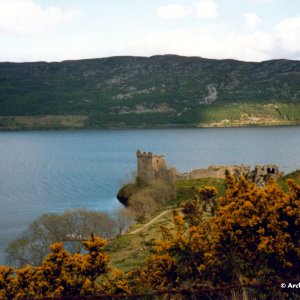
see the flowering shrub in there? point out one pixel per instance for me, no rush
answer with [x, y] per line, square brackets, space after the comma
[252, 239]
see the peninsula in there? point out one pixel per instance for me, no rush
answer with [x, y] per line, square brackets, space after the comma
[162, 91]
[152, 168]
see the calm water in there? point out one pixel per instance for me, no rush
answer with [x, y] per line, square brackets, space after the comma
[57, 170]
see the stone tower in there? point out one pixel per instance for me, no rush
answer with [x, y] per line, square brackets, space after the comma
[150, 166]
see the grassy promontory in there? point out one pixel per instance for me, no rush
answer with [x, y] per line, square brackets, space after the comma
[129, 250]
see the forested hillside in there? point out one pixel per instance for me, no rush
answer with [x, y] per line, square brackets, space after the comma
[159, 91]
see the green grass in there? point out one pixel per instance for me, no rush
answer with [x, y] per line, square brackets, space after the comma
[245, 114]
[129, 251]
[186, 189]
[294, 175]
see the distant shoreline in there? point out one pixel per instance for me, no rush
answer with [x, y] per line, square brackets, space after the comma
[73, 122]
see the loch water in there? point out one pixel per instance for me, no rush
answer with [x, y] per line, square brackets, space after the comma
[52, 171]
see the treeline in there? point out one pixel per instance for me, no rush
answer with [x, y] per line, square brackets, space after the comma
[73, 226]
[244, 251]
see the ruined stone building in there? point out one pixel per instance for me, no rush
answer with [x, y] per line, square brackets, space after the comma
[262, 174]
[151, 166]
[214, 172]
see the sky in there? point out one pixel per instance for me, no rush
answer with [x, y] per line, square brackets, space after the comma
[56, 30]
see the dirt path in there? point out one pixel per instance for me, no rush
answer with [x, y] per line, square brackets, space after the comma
[152, 221]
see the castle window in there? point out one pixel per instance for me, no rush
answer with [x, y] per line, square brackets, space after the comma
[271, 171]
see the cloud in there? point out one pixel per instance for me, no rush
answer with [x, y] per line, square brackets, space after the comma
[287, 36]
[251, 20]
[208, 41]
[24, 17]
[173, 11]
[203, 9]
[177, 41]
[203, 42]
[282, 41]
[262, 1]
[206, 9]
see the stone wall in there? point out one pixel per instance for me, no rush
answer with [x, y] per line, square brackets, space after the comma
[150, 167]
[214, 172]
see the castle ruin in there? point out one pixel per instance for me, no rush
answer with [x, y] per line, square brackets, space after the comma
[262, 174]
[151, 167]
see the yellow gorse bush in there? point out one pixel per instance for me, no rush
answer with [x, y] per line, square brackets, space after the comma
[61, 274]
[252, 236]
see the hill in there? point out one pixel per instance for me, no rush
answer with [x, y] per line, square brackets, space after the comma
[157, 91]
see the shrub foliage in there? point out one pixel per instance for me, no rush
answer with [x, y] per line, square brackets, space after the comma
[243, 251]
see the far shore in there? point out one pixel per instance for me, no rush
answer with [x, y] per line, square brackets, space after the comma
[78, 122]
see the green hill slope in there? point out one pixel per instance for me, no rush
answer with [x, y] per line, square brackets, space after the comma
[158, 91]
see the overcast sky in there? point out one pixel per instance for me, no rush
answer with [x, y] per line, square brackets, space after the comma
[55, 30]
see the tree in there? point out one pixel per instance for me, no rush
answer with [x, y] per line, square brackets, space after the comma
[145, 200]
[143, 204]
[163, 189]
[33, 245]
[124, 217]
